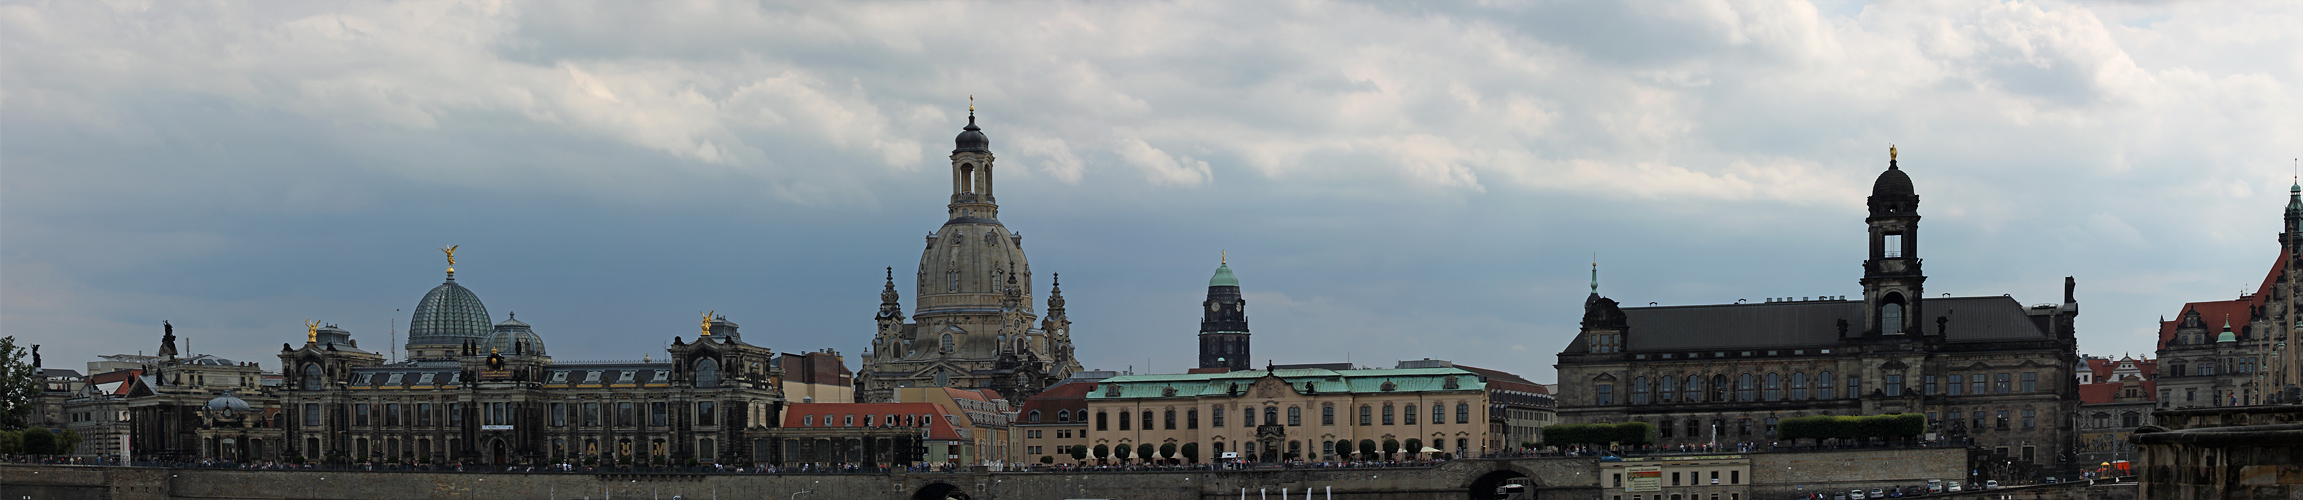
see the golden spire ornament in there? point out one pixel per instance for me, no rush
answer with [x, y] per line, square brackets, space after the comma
[1891, 152]
[451, 251]
[971, 104]
[311, 331]
[707, 323]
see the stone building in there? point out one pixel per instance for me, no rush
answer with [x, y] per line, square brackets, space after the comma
[2115, 398]
[496, 396]
[973, 325]
[866, 434]
[149, 407]
[2224, 353]
[2221, 453]
[1223, 336]
[1052, 422]
[1984, 369]
[1299, 414]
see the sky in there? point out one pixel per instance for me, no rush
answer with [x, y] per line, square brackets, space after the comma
[1390, 180]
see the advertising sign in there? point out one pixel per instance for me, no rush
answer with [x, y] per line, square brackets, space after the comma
[1643, 479]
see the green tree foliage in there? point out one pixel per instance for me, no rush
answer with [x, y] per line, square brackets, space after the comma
[19, 385]
[1103, 451]
[1599, 434]
[69, 442]
[11, 443]
[1122, 451]
[1367, 448]
[1899, 425]
[1144, 451]
[1079, 452]
[1191, 452]
[1413, 445]
[38, 441]
[1390, 446]
[1167, 450]
[1047, 459]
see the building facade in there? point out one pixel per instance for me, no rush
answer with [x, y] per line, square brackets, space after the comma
[974, 325]
[2116, 396]
[1986, 370]
[2226, 352]
[1291, 414]
[1223, 336]
[498, 397]
[1049, 424]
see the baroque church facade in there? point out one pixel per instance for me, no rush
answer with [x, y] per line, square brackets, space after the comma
[1988, 372]
[973, 325]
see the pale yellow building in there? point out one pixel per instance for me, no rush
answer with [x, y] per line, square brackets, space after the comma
[1290, 414]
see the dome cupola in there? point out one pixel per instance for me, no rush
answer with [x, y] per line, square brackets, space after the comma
[227, 403]
[448, 316]
[971, 139]
[513, 337]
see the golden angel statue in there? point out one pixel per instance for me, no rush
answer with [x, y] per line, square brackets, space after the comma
[451, 251]
[706, 325]
[311, 331]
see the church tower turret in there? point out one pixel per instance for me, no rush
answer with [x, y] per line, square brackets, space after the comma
[1892, 280]
[1223, 336]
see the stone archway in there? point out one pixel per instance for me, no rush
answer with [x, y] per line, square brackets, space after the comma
[940, 491]
[497, 451]
[1487, 486]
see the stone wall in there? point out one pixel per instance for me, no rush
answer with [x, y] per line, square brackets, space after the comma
[1786, 475]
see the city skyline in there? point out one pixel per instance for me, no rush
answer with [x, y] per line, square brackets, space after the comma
[1438, 192]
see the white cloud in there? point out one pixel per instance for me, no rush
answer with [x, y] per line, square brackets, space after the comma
[1161, 168]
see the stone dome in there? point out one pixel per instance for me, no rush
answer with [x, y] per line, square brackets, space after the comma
[971, 138]
[227, 402]
[513, 337]
[448, 315]
[1893, 182]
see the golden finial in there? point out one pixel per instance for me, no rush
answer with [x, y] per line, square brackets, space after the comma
[311, 331]
[1891, 152]
[707, 324]
[451, 251]
[971, 104]
[1223, 257]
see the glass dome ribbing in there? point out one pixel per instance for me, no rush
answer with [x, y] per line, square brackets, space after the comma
[449, 315]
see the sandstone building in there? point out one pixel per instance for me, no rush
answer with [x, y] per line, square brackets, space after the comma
[973, 324]
[1984, 369]
[1289, 414]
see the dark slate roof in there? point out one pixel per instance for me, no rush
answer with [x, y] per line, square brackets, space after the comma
[608, 373]
[1811, 324]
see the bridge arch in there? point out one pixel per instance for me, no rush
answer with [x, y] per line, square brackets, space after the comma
[940, 491]
[1484, 487]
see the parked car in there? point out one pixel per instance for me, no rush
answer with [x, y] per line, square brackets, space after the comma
[1991, 485]
[1952, 486]
[1878, 493]
[1855, 495]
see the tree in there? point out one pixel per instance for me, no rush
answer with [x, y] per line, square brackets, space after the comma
[38, 441]
[11, 443]
[1047, 459]
[1144, 451]
[1104, 451]
[1191, 452]
[19, 385]
[68, 443]
[1079, 452]
[1367, 449]
[1122, 451]
[1390, 446]
[1413, 446]
[1167, 450]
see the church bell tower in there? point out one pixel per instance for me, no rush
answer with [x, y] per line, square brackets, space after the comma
[1892, 280]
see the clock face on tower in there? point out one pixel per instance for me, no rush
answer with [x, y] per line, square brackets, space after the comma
[1211, 306]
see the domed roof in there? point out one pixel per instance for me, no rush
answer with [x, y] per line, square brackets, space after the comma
[971, 138]
[1223, 276]
[449, 315]
[1893, 182]
[227, 402]
[514, 338]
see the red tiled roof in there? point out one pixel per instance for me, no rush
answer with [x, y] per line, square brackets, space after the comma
[798, 415]
[1069, 396]
[2108, 392]
[2240, 311]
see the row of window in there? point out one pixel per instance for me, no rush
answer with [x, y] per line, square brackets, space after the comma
[588, 414]
[1978, 420]
[891, 420]
[2239, 365]
[1271, 416]
[1772, 387]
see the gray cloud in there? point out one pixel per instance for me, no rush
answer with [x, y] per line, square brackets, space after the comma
[1408, 180]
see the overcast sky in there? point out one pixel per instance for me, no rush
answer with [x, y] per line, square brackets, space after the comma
[1391, 180]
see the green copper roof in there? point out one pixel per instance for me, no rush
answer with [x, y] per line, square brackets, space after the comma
[1308, 380]
[2226, 336]
[1223, 276]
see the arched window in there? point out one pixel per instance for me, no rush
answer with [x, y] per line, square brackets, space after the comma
[1410, 415]
[1668, 389]
[1170, 416]
[1694, 388]
[1063, 416]
[1327, 415]
[1891, 315]
[312, 377]
[1463, 413]
[947, 342]
[1271, 415]
[1743, 388]
[1639, 390]
[1719, 388]
[1823, 386]
[707, 374]
[1123, 420]
[1294, 416]
[1798, 386]
[1773, 388]
[1035, 417]
[1388, 419]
